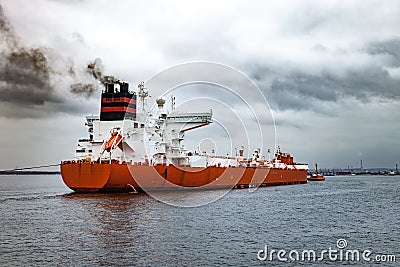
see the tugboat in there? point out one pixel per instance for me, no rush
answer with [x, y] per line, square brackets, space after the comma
[316, 176]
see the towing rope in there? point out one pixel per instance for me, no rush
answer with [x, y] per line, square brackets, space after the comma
[33, 167]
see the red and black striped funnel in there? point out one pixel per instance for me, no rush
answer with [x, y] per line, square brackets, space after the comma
[117, 102]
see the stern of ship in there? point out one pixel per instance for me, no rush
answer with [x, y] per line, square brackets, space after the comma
[85, 177]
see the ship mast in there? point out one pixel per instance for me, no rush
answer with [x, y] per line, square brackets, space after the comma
[172, 103]
[143, 94]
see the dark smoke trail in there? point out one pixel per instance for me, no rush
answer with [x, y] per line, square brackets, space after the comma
[5, 29]
[31, 79]
[95, 69]
[83, 89]
[24, 72]
[27, 75]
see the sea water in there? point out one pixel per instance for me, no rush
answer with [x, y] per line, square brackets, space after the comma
[44, 223]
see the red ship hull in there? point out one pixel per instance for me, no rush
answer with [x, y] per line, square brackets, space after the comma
[86, 177]
[316, 177]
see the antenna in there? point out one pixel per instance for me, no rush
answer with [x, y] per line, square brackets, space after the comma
[361, 169]
[172, 103]
[143, 94]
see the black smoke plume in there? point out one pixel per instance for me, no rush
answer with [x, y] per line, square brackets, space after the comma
[28, 77]
[24, 72]
[94, 69]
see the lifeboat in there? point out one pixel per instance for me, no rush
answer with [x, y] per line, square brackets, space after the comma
[113, 141]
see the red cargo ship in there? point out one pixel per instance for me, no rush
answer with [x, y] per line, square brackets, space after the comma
[127, 150]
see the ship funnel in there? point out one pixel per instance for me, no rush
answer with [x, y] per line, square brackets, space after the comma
[117, 105]
[124, 87]
[110, 88]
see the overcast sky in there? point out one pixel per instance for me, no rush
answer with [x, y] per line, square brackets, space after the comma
[329, 69]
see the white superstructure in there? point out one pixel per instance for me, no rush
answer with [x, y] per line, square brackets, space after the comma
[155, 136]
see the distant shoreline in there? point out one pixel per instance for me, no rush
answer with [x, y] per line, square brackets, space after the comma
[29, 172]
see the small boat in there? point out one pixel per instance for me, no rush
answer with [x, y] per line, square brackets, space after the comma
[316, 176]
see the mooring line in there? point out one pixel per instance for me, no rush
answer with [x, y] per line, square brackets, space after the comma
[32, 167]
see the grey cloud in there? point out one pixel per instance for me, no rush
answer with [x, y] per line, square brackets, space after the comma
[290, 123]
[297, 89]
[46, 110]
[68, 1]
[390, 48]
[78, 37]
[309, 19]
